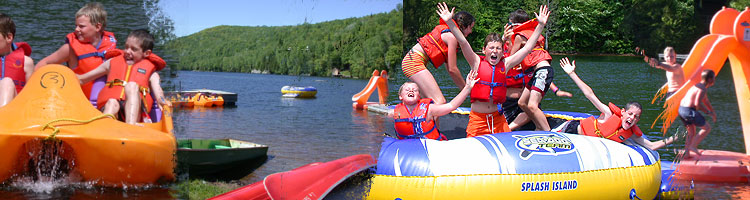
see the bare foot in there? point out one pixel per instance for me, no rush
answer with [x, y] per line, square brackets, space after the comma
[695, 150]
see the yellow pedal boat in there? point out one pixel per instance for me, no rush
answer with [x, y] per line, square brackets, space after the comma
[97, 150]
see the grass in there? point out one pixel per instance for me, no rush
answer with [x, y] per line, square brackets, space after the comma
[200, 189]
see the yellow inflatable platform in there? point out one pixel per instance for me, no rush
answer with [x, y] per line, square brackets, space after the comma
[51, 121]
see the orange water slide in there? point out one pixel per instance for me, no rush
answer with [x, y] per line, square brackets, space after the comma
[378, 81]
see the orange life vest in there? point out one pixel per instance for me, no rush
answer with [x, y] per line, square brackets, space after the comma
[89, 55]
[611, 128]
[538, 54]
[121, 73]
[491, 82]
[13, 64]
[414, 124]
[433, 44]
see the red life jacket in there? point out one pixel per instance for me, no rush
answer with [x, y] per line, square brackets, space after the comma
[611, 128]
[13, 64]
[491, 82]
[538, 54]
[89, 55]
[120, 73]
[411, 125]
[433, 44]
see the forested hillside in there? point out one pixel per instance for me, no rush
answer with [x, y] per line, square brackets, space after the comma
[354, 45]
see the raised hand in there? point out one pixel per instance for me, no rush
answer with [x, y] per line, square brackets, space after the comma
[567, 66]
[543, 14]
[471, 79]
[507, 32]
[444, 13]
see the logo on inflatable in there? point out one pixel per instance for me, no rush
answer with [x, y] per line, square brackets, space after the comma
[543, 144]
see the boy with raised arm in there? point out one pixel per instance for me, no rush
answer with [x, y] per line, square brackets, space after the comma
[617, 124]
[415, 117]
[490, 91]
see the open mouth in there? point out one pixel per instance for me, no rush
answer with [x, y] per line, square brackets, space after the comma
[629, 122]
[410, 94]
[493, 58]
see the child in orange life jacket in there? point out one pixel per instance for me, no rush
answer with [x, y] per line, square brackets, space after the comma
[696, 99]
[614, 123]
[543, 73]
[129, 76]
[85, 47]
[520, 77]
[415, 116]
[439, 46]
[16, 64]
[485, 117]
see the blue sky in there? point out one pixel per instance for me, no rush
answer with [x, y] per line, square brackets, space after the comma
[191, 16]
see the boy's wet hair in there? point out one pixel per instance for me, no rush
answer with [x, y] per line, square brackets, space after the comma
[147, 40]
[518, 16]
[708, 74]
[463, 19]
[7, 26]
[633, 104]
[492, 37]
[669, 50]
[95, 12]
[402, 86]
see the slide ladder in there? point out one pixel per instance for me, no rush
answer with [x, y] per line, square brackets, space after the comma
[378, 81]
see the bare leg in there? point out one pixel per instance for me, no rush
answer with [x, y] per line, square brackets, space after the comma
[519, 121]
[529, 103]
[132, 103]
[7, 91]
[111, 107]
[705, 129]
[689, 139]
[428, 87]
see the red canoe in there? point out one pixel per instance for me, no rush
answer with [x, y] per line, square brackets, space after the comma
[715, 166]
[311, 181]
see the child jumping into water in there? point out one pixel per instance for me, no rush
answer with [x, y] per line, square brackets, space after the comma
[614, 123]
[17, 66]
[485, 117]
[439, 46]
[84, 48]
[415, 116]
[696, 99]
[131, 76]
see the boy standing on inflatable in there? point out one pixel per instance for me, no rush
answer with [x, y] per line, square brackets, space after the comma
[130, 78]
[16, 64]
[415, 117]
[85, 47]
[439, 46]
[520, 77]
[538, 60]
[696, 99]
[614, 123]
[485, 117]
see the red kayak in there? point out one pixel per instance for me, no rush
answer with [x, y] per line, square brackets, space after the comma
[311, 181]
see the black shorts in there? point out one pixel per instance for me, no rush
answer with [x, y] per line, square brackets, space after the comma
[542, 79]
[691, 116]
[511, 110]
[572, 127]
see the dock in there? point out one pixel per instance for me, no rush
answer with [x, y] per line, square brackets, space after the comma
[230, 98]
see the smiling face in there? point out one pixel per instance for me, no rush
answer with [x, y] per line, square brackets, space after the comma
[85, 31]
[133, 50]
[630, 117]
[409, 93]
[492, 52]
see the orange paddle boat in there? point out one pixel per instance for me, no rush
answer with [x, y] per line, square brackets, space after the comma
[51, 121]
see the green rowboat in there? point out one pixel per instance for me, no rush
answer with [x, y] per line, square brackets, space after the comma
[213, 157]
